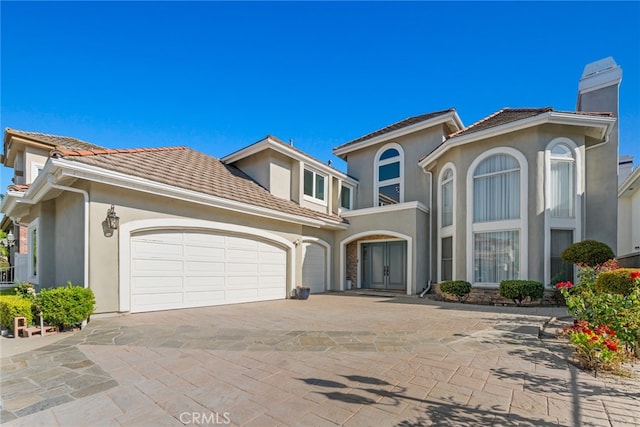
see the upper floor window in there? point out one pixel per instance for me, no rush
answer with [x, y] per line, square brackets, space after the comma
[496, 189]
[563, 182]
[447, 198]
[389, 172]
[315, 186]
[346, 197]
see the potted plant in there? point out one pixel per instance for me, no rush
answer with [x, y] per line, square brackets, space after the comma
[302, 292]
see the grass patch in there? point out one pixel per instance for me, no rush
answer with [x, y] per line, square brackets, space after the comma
[8, 291]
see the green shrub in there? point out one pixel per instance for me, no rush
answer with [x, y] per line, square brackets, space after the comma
[589, 252]
[14, 306]
[458, 288]
[66, 306]
[519, 290]
[616, 281]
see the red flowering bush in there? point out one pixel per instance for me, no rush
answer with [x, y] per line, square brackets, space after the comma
[595, 345]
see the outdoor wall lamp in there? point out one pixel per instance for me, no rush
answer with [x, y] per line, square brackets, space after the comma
[11, 239]
[112, 219]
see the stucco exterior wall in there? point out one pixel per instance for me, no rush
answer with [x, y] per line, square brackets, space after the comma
[280, 176]
[34, 157]
[132, 206]
[531, 143]
[602, 171]
[361, 166]
[257, 167]
[629, 223]
[69, 239]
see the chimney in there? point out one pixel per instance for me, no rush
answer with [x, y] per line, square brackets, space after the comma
[625, 167]
[598, 87]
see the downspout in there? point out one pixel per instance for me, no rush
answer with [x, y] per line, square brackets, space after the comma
[428, 287]
[53, 184]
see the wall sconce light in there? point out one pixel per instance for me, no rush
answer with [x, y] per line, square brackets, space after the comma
[297, 242]
[11, 239]
[113, 220]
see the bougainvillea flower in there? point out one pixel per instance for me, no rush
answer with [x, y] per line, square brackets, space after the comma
[564, 285]
[635, 275]
[611, 345]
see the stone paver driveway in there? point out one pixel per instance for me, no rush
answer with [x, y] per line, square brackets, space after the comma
[330, 360]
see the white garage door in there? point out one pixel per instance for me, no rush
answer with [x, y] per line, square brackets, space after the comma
[314, 267]
[181, 269]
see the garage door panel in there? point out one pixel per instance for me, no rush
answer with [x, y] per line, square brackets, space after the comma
[203, 252]
[193, 268]
[314, 267]
[157, 250]
[199, 266]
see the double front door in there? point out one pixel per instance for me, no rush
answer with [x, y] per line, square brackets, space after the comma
[384, 265]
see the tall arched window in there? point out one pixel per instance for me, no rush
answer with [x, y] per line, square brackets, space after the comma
[389, 174]
[446, 225]
[562, 210]
[563, 182]
[498, 205]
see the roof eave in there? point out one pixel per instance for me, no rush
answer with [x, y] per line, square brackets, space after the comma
[450, 116]
[270, 142]
[602, 124]
[631, 183]
[82, 171]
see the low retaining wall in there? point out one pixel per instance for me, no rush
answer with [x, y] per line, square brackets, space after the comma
[490, 296]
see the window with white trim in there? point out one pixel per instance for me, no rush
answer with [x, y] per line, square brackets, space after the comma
[315, 186]
[446, 226]
[346, 197]
[563, 182]
[33, 245]
[497, 209]
[389, 170]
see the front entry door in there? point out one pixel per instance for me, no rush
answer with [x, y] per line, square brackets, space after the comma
[384, 265]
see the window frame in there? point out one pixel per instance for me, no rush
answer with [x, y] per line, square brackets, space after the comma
[351, 189]
[34, 256]
[450, 230]
[562, 223]
[520, 224]
[313, 198]
[377, 184]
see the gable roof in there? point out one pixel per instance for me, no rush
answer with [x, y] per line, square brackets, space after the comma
[409, 124]
[596, 125]
[188, 169]
[509, 115]
[52, 140]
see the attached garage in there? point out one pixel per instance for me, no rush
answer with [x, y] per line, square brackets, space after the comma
[172, 269]
[314, 267]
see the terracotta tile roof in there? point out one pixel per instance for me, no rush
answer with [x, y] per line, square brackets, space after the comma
[508, 115]
[55, 140]
[395, 126]
[188, 169]
[18, 187]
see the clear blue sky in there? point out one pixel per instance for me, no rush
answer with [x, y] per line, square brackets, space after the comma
[218, 76]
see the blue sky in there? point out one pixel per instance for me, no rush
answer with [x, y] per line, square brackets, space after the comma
[218, 76]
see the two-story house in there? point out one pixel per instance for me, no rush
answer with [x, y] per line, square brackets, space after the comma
[425, 199]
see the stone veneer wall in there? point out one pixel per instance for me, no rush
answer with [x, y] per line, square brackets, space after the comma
[352, 257]
[490, 296]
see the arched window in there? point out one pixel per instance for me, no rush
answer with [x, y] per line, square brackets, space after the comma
[446, 226]
[446, 184]
[389, 170]
[498, 205]
[563, 182]
[562, 209]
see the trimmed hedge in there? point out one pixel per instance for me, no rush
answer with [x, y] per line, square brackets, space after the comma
[458, 288]
[616, 281]
[519, 290]
[66, 306]
[589, 252]
[15, 306]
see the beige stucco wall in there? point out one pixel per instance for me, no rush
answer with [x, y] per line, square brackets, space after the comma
[416, 184]
[34, 157]
[257, 167]
[132, 206]
[409, 222]
[69, 241]
[532, 144]
[629, 223]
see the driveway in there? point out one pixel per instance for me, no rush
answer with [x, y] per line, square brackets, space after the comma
[330, 360]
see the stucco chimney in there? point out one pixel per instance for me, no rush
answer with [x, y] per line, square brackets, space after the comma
[598, 87]
[625, 167]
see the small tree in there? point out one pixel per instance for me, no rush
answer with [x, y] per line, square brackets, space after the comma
[589, 252]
